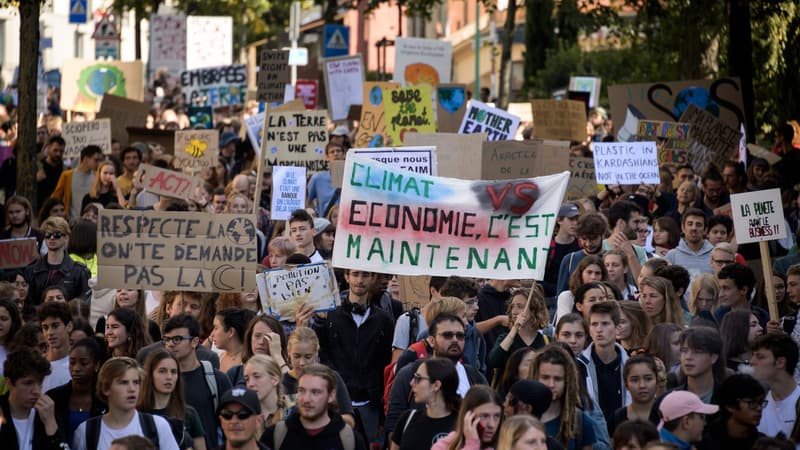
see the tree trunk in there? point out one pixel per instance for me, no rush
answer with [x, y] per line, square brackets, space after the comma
[740, 58]
[28, 65]
[504, 78]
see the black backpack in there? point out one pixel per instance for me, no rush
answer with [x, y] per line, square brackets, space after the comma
[146, 422]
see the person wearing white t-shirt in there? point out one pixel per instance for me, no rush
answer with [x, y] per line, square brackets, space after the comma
[29, 415]
[118, 384]
[56, 322]
[774, 357]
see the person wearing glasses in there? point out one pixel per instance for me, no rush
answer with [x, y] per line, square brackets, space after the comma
[742, 402]
[240, 415]
[723, 254]
[204, 384]
[320, 189]
[56, 267]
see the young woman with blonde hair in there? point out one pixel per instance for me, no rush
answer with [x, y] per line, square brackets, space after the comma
[262, 374]
[522, 432]
[659, 302]
[105, 189]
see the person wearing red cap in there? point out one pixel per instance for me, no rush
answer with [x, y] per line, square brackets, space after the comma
[683, 418]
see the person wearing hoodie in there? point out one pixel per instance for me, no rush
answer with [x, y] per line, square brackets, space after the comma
[693, 251]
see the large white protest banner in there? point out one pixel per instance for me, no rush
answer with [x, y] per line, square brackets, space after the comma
[78, 135]
[288, 191]
[215, 86]
[395, 221]
[344, 84]
[482, 118]
[422, 61]
[209, 42]
[167, 44]
[626, 163]
[284, 290]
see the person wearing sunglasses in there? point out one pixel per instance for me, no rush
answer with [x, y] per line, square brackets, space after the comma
[56, 267]
[240, 415]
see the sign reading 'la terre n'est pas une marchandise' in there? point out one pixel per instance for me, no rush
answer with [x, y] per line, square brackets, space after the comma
[394, 221]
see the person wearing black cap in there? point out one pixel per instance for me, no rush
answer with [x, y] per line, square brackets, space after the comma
[533, 398]
[240, 416]
[565, 241]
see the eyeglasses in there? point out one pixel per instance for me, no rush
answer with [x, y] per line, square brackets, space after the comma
[755, 404]
[242, 414]
[723, 262]
[176, 339]
[417, 378]
[54, 235]
[453, 334]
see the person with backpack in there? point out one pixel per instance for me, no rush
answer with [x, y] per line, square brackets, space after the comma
[203, 383]
[118, 385]
[314, 424]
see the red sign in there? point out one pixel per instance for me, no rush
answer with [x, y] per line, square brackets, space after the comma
[18, 252]
[307, 90]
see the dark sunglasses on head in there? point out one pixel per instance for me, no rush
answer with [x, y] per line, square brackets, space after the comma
[243, 414]
[54, 235]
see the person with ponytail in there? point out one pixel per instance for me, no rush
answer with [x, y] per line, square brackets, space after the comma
[478, 421]
[435, 385]
[262, 375]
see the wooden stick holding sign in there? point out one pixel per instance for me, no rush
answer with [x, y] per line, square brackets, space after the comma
[262, 161]
[758, 217]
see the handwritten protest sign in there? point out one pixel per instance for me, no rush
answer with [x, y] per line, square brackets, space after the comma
[123, 113]
[504, 160]
[408, 110]
[273, 76]
[668, 101]
[288, 191]
[672, 139]
[420, 160]
[451, 101]
[210, 41]
[16, 253]
[196, 149]
[176, 251]
[308, 92]
[422, 61]
[582, 181]
[215, 86]
[414, 290]
[758, 216]
[309, 284]
[255, 131]
[78, 135]
[84, 82]
[344, 83]
[167, 44]
[398, 222]
[559, 119]
[626, 163]
[297, 138]
[372, 126]
[482, 118]
[167, 182]
[711, 139]
[458, 155]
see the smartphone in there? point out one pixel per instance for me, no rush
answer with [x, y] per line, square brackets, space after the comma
[480, 429]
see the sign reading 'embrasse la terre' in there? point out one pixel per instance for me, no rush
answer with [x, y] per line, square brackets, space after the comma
[395, 221]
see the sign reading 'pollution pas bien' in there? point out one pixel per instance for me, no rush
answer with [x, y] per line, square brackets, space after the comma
[400, 222]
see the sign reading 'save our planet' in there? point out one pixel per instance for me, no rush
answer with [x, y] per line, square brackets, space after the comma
[408, 110]
[482, 118]
[758, 216]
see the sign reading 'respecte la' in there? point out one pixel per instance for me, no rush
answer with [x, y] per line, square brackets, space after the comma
[394, 221]
[758, 216]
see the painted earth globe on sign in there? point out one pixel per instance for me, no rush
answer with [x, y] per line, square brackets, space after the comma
[451, 98]
[695, 96]
[241, 231]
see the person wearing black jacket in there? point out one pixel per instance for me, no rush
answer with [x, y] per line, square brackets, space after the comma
[356, 341]
[25, 405]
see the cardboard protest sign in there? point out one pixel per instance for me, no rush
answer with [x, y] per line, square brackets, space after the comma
[308, 92]
[78, 135]
[587, 84]
[414, 291]
[482, 118]
[668, 101]
[84, 82]
[672, 139]
[458, 155]
[582, 181]
[167, 44]
[563, 120]
[344, 84]
[408, 110]
[626, 163]
[758, 216]
[176, 251]
[422, 61]
[309, 284]
[255, 131]
[297, 139]
[209, 41]
[711, 140]
[420, 160]
[451, 104]
[215, 86]
[399, 222]
[167, 182]
[201, 116]
[123, 113]
[15, 253]
[273, 76]
[505, 160]
[196, 149]
[288, 191]
[372, 126]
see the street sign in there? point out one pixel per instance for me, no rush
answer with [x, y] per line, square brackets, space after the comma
[106, 29]
[298, 56]
[106, 49]
[78, 11]
[337, 41]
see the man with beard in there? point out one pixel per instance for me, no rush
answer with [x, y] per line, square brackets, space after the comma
[50, 170]
[131, 157]
[446, 338]
[714, 194]
[19, 215]
[693, 251]
[626, 219]
[592, 228]
[314, 424]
